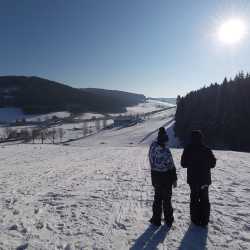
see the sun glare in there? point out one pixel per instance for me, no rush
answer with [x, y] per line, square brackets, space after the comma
[232, 31]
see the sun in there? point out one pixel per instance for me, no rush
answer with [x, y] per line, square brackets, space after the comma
[232, 31]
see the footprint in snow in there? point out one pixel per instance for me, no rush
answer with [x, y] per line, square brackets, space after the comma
[119, 225]
[60, 226]
[13, 227]
[22, 247]
[39, 225]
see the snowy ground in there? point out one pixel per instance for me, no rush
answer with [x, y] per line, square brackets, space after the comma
[68, 197]
[95, 193]
[143, 132]
[148, 106]
[11, 114]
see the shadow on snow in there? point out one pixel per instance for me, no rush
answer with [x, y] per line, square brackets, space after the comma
[194, 238]
[151, 238]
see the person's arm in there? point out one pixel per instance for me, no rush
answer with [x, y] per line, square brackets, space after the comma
[174, 177]
[173, 170]
[212, 159]
[184, 158]
[150, 155]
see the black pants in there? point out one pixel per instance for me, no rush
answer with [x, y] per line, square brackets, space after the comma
[199, 205]
[162, 201]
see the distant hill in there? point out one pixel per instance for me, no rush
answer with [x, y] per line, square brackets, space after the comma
[38, 95]
[163, 99]
[124, 98]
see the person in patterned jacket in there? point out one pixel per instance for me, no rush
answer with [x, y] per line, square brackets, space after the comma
[163, 175]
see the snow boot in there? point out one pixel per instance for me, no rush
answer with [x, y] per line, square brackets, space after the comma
[195, 213]
[169, 221]
[154, 222]
[205, 214]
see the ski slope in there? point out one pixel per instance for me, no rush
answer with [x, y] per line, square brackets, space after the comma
[95, 193]
[143, 132]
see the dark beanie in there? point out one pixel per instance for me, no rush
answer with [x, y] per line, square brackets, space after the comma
[196, 137]
[162, 136]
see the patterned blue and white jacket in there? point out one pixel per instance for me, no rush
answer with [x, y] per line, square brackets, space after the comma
[160, 158]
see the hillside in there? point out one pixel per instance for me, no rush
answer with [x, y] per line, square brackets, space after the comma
[10, 114]
[96, 193]
[37, 95]
[163, 99]
[124, 98]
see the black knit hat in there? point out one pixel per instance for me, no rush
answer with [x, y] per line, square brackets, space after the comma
[196, 137]
[162, 135]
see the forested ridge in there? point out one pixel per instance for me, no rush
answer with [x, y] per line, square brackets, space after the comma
[38, 95]
[222, 112]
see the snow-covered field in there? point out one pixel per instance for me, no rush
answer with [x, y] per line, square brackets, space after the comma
[12, 114]
[148, 106]
[74, 131]
[143, 132]
[95, 193]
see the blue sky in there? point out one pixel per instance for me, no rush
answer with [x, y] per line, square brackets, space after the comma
[155, 47]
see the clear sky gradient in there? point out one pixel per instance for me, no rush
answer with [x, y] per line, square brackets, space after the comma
[159, 48]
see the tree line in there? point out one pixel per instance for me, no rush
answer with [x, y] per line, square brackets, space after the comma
[221, 111]
[39, 96]
[33, 134]
[49, 135]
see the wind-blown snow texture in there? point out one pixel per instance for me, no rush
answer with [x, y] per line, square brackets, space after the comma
[99, 196]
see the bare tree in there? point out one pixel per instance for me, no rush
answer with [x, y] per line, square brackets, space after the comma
[43, 134]
[60, 133]
[25, 135]
[34, 134]
[8, 131]
[85, 128]
[52, 134]
[104, 123]
[97, 124]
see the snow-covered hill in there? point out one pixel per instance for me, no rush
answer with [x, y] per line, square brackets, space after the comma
[95, 193]
[11, 114]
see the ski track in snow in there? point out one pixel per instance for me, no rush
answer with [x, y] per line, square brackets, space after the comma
[64, 197]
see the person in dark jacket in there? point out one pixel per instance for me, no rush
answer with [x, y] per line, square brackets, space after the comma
[163, 176]
[198, 159]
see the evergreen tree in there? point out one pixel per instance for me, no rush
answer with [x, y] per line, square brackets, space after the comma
[220, 111]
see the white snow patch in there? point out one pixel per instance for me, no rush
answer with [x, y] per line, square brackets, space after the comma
[99, 197]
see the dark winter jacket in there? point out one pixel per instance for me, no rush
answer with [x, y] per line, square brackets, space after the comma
[198, 159]
[163, 171]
